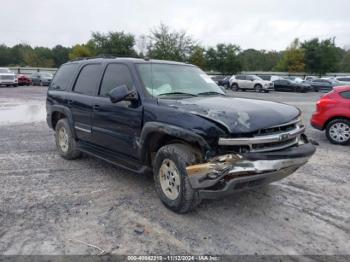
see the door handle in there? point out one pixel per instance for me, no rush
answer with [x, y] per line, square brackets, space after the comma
[70, 102]
[96, 107]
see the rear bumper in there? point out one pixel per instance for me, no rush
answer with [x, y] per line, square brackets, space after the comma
[235, 172]
[318, 121]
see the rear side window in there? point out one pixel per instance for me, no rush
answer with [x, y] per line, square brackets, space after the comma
[115, 75]
[63, 77]
[88, 80]
[240, 77]
[345, 94]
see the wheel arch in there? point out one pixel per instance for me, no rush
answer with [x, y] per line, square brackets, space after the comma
[334, 118]
[59, 112]
[155, 135]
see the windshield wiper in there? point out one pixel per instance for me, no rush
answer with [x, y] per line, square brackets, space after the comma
[210, 93]
[176, 93]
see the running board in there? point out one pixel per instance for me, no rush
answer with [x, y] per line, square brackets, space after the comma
[112, 157]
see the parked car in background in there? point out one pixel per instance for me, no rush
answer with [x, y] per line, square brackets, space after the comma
[292, 86]
[333, 115]
[343, 79]
[269, 77]
[216, 78]
[310, 78]
[7, 77]
[24, 80]
[250, 82]
[41, 79]
[327, 85]
[225, 82]
[295, 79]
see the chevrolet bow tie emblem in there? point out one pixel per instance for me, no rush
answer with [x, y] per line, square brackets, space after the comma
[283, 137]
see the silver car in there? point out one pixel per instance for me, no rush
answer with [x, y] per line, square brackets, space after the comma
[250, 82]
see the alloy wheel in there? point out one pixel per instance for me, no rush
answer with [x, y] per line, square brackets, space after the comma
[339, 132]
[169, 178]
[63, 139]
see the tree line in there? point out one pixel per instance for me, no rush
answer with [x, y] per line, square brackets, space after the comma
[313, 56]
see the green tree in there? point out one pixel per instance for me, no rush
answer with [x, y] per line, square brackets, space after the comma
[5, 55]
[79, 51]
[321, 56]
[211, 59]
[224, 58]
[60, 54]
[197, 57]
[113, 43]
[345, 62]
[18, 52]
[292, 59]
[169, 45]
[258, 60]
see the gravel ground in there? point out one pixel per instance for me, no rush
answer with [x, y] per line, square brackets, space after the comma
[49, 205]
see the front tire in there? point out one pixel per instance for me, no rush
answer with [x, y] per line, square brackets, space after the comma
[258, 88]
[338, 131]
[235, 87]
[65, 142]
[171, 180]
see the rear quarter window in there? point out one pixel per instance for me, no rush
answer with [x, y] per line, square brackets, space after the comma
[345, 94]
[63, 77]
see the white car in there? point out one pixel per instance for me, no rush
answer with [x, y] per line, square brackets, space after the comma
[250, 82]
[7, 77]
[343, 79]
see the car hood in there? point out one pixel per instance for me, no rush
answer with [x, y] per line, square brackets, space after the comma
[237, 115]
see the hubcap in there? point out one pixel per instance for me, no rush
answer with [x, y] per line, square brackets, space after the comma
[169, 179]
[340, 132]
[63, 139]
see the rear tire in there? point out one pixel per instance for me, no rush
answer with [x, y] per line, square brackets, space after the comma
[65, 142]
[171, 180]
[338, 131]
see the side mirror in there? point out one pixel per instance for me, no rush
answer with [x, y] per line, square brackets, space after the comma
[121, 93]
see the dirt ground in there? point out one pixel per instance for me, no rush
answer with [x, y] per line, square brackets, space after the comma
[49, 205]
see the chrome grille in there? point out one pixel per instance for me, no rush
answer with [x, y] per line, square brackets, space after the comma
[269, 139]
[7, 77]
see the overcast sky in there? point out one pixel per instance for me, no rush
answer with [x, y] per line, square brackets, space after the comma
[259, 24]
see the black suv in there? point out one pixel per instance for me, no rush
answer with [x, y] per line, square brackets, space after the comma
[172, 119]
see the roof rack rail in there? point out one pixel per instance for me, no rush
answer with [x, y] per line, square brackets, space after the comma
[93, 57]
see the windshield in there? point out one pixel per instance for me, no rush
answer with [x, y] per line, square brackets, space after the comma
[5, 70]
[180, 80]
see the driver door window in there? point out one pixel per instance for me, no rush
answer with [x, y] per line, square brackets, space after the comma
[115, 75]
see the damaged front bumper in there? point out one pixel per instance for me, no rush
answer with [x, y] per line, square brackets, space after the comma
[234, 172]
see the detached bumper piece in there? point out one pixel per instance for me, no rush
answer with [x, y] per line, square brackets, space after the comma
[235, 172]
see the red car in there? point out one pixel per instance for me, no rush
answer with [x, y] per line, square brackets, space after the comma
[24, 80]
[333, 115]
